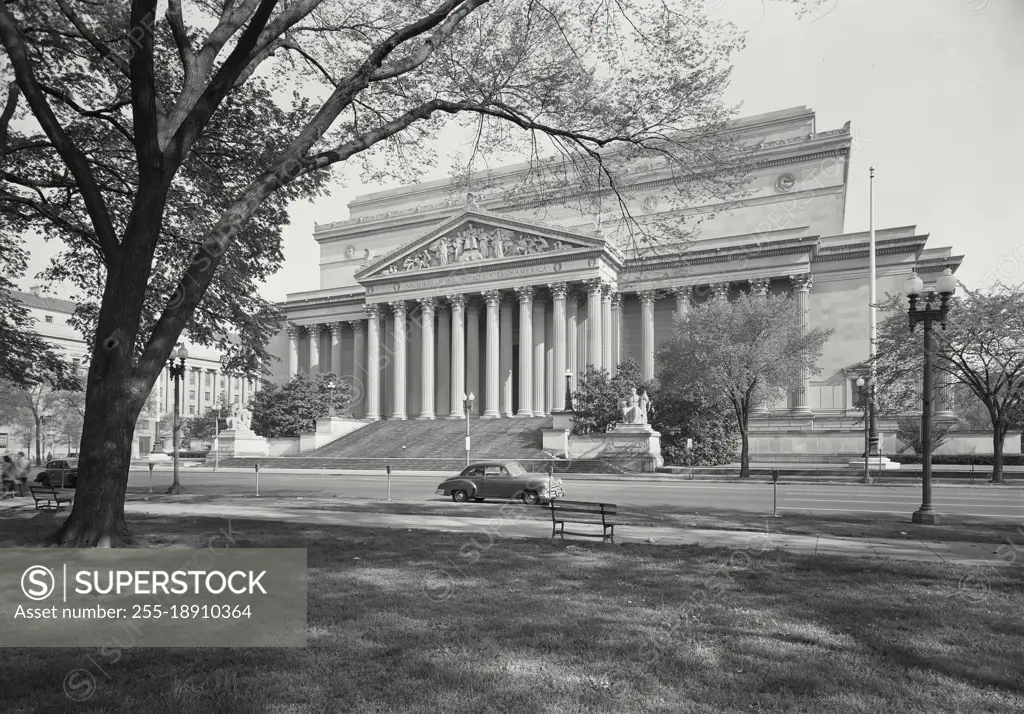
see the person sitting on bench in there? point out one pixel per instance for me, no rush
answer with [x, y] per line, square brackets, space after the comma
[8, 477]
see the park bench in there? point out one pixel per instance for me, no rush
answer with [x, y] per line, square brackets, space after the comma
[583, 512]
[47, 497]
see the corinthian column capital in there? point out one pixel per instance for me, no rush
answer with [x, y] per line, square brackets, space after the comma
[801, 282]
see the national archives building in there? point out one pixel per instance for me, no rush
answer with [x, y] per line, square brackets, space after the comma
[423, 298]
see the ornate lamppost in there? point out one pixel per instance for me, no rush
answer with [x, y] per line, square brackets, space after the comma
[331, 385]
[946, 286]
[869, 424]
[568, 390]
[177, 374]
[467, 406]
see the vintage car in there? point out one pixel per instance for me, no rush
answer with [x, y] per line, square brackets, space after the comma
[61, 473]
[501, 480]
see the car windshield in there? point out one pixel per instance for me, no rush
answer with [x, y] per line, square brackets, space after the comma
[53, 464]
[515, 468]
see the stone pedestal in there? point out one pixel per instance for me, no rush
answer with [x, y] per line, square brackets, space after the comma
[556, 437]
[877, 464]
[329, 429]
[242, 442]
[634, 447]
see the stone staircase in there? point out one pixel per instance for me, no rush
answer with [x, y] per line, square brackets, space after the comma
[432, 445]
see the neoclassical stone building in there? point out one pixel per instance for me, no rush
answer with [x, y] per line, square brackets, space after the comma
[423, 297]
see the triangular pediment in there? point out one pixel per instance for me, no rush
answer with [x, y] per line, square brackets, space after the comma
[478, 237]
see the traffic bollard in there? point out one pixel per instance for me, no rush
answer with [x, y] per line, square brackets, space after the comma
[389, 480]
[257, 479]
[151, 477]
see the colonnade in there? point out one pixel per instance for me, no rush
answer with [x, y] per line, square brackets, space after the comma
[562, 327]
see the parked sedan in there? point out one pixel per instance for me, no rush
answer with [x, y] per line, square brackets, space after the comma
[59, 473]
[500, 480]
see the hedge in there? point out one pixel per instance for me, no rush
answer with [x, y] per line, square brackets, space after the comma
[960, 459]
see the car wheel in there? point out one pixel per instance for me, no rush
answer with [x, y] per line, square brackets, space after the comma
[530, 498]
[479, 500]
[459, 496]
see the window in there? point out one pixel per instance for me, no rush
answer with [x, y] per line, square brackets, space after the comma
[76, 365]
[236, 399]
[49, 318]
[191, 394]
[191, 408]
[3, 440]
[209, 379]
[191, 377]
[207, 396]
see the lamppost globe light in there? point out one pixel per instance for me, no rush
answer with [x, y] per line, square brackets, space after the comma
[471, 397]
[860, 381]
[464, 396]
[568, 373]
[914, 285]
[946, 284]
[182, 353]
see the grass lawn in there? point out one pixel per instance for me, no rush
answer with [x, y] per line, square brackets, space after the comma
[841, 525]
[432, 622]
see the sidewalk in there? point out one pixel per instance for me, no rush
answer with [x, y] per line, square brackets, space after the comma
[964, 554]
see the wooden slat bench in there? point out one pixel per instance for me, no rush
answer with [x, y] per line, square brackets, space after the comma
[47, 497]
[583, 512]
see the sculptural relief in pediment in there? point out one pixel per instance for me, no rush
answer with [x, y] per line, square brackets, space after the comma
[476, 243]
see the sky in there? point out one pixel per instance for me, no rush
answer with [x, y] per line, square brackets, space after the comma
[933, 89]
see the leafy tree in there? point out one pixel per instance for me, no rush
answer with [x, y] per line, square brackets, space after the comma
[37, 409]
[748, 350]
[293, 408]
[163, 150]
[981, 348]
[908, 431]
[707, 420]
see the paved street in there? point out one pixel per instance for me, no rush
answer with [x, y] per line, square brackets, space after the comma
[987, 503]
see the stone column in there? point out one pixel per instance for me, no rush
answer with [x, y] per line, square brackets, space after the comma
[400, 359]
[606, 329]
[444, 358]
[494, 354]
[336, 328]
[616, 329]
[525, 295]
[802, 292]
[594, 341]
[372, 397]
[473, 353]
[647, 333]
[943, 397]
[358, 367]
[505, 357]
[458, 357]
[427, 306]
[683, 295]
[558, 293]
[314, 350]
[539, 389]
[759, 286]
[293, 350]
[571, 344]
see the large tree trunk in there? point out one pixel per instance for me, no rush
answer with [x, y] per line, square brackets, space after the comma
[97, 517]
[998, 436]
[744, 449]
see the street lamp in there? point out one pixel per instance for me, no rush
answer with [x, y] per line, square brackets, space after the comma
[177, 374]
[869, 423]
[946, 286]
[568, 390]
[331, 385]
[467, 405]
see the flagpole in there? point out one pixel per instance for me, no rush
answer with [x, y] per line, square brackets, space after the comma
[873, 445]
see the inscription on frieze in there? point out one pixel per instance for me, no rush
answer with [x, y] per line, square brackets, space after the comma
[464, 278]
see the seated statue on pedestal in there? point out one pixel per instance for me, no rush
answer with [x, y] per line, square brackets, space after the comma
[634, 408]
